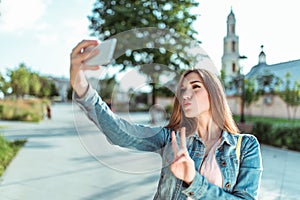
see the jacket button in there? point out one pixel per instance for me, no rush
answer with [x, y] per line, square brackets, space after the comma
[223, 163]
[191, 193]
[227, 185]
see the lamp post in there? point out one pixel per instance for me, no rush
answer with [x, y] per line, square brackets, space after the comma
[242, 79]
[242, 120]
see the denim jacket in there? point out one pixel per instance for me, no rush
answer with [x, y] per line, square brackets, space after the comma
[241, 180]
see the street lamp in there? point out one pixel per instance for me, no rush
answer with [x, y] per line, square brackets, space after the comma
[242, 79]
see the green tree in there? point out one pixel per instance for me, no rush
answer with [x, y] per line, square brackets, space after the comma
[70, 93]
[23, 81]
[107, 86]
[19, 80]
[251, 95]
[164, 43]
[46, 87]
[34, 84]
[2, 82]
[222, 78]
[164, 92]
[4, 85]
[243, 87]
[291, 95]
[53, 89]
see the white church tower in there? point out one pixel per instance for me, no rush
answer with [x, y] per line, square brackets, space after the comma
[231, 56]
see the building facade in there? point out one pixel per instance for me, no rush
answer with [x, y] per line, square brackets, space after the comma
[268, 105]
[62, 85]
[231, 55]
[289, 70]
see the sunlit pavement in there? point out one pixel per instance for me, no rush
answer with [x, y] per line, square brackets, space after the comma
[56, 163]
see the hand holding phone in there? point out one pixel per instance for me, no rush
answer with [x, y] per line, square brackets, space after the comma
[105, 52]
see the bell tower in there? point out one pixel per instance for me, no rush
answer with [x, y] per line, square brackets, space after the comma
[231, 56]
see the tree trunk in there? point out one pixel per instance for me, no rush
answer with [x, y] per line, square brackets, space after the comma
[153, 93]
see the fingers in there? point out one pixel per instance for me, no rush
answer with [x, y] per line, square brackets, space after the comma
[77, 58]
[174, 143]
[182, 138]
[89, 53]
[82, 45]
[81, 52]
[178, 152]
[182, 156]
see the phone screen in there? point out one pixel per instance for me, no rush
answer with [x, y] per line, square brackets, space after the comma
[106, 51]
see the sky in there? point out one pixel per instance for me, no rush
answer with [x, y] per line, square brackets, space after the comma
[42, 33]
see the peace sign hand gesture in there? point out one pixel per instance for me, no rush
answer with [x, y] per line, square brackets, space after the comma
[183, 167]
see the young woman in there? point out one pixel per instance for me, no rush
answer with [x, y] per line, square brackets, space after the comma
[208, 160]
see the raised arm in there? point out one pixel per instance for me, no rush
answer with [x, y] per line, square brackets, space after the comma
[117, 130]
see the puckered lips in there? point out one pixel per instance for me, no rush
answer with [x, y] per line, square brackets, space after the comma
[186, 104]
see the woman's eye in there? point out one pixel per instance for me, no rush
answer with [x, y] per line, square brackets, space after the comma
[182, 90]
[196, 86]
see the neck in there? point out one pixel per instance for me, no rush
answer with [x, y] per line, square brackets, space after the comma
[207, 129]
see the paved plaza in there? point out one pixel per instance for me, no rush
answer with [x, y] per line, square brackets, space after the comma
[62, 161]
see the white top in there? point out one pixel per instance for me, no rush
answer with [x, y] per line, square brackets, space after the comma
[210, 168]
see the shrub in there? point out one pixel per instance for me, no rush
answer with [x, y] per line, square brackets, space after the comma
[22, 109]
[276, 135]
[7, 151]
[287, 137]
[263, 131]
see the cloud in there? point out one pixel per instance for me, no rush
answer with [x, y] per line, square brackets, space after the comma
[67, 32]
[19, 15]
[46, 34]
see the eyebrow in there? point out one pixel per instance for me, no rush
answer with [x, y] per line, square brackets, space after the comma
[197, 81]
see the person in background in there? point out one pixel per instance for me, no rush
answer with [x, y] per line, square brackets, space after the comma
[210, 158]
[48, 111]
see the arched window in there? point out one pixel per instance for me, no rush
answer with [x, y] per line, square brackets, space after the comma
[233, 67]
[233, 46]
[232, 28]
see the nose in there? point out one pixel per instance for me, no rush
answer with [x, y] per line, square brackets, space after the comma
[187, 94]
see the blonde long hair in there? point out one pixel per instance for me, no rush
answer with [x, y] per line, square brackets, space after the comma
[221, 113]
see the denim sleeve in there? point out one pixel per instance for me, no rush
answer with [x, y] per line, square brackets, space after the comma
[248, 180]
[119, 131]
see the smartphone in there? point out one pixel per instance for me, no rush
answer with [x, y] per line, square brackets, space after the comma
[105, 54]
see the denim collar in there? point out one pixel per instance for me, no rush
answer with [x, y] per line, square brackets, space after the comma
[228, 138]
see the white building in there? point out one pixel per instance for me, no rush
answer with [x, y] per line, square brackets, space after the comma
[231, 59]
[62, 85]
[231, 55]
[279, 70]
[274, 106]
